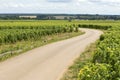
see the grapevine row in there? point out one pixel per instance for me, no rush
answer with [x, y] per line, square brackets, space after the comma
[105, 64]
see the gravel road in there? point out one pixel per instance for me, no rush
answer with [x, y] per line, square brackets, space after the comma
[48, 62]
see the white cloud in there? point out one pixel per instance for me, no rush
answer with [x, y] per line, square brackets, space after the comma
[82, 0]
[64, 6]
[116, 1]
[59, 0]
[106, 2]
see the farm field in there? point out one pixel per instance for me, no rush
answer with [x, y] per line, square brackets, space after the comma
[103, 62]
[60, 40]
[53, 58]
[20, 36]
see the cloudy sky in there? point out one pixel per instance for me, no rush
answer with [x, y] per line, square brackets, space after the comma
[61, 6]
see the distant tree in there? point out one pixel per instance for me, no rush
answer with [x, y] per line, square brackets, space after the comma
[65, 18]
[70, 19]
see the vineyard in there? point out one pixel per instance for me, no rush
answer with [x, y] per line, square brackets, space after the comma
[18, 36]
[105, 63]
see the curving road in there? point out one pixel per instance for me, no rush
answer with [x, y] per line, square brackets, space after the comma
[47, 62]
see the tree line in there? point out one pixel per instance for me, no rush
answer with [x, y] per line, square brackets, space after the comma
[64, 17]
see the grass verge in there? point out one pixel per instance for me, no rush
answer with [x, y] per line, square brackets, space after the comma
[84, 58]
[10, 50]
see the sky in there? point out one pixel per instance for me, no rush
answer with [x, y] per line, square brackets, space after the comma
[61, 6]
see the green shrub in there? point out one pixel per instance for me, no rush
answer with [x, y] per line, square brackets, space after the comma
[95, 72]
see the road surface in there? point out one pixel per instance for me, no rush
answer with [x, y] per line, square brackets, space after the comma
[47, 62]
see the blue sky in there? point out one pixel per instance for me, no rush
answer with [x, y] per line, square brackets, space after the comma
[61, 6]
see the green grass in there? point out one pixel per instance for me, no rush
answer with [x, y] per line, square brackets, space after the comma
[17, 36]
[111, 38]
[23, 46]
[85, 57]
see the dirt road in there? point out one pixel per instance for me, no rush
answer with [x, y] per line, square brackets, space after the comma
[47, 62]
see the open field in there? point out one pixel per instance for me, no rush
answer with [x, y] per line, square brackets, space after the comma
[59, 39]
[47, 62]
[19, 36]
[104, 64]
[101, 62]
